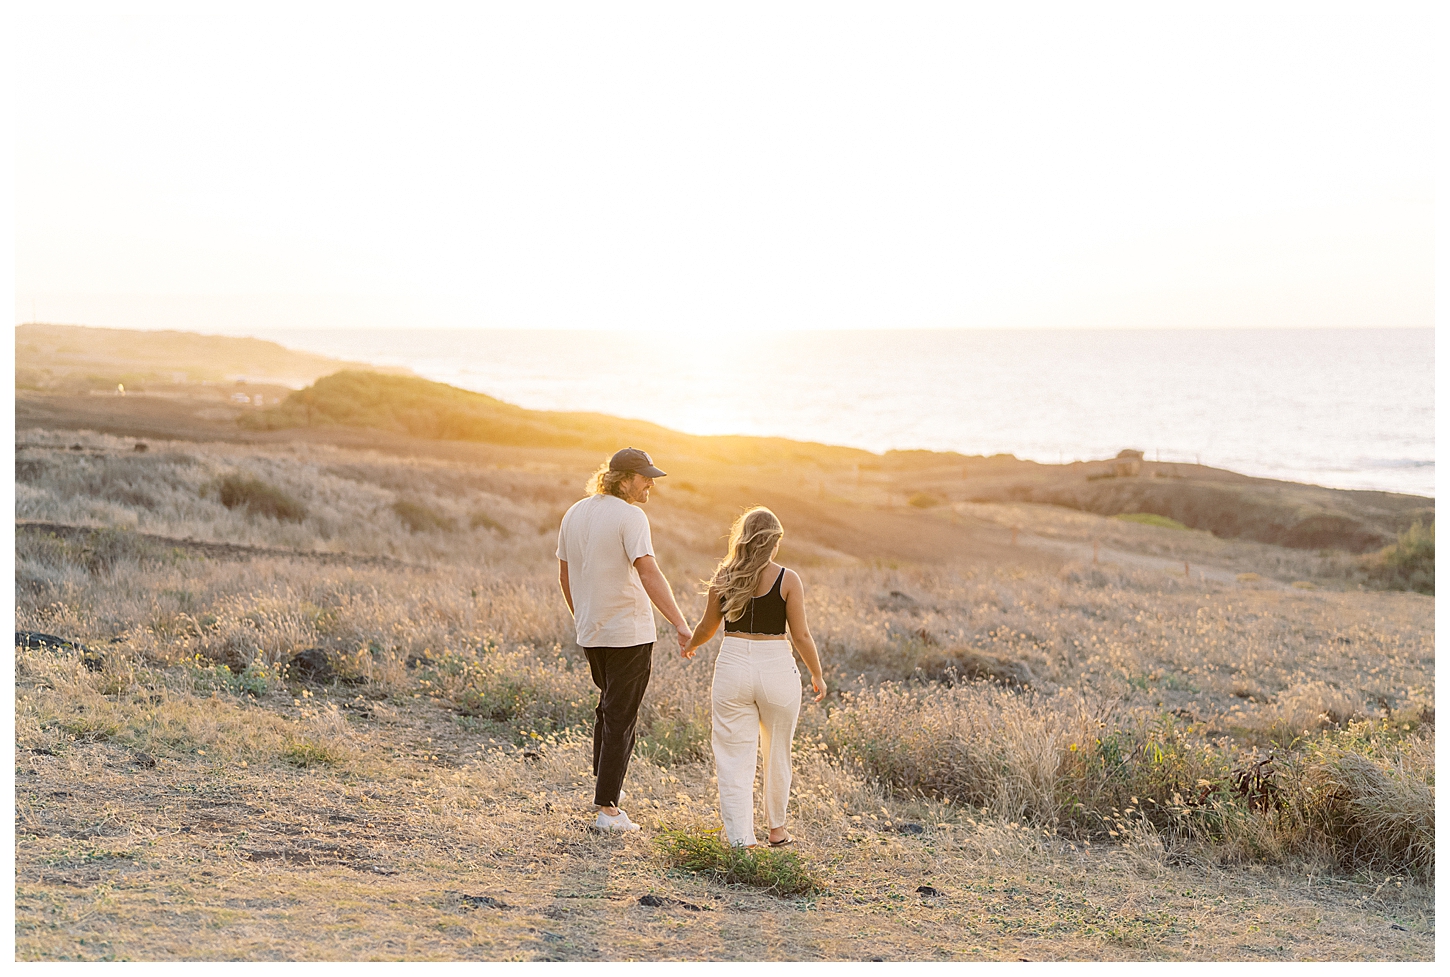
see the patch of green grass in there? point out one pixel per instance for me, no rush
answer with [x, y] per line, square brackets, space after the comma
[305, 753]
[91, 728]
[781, 873]
[1151, 519]
[257, 679]
[925, 500]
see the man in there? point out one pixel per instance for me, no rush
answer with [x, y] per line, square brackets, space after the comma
[609, 576]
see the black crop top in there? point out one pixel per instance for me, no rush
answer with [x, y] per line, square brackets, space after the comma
[763, 615]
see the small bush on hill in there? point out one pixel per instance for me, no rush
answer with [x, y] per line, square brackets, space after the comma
[1409, 564]
[259, 499]
[925, 500]
[420, 518]
[487, 522]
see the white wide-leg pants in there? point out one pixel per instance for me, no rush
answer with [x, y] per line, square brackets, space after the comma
[755, 698]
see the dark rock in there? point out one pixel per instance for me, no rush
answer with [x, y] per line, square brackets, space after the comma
[142, 446]
[909, 828]
[477, 902]
[651, 899]
[143, 759]
[37, 640]
[927, 890]
[311, 665]
[76, 447]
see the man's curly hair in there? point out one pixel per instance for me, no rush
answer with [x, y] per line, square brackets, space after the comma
[606, 481]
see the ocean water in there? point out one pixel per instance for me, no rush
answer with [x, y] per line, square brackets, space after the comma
[1348, 408]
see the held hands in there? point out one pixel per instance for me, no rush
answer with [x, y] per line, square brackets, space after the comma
[683, 634]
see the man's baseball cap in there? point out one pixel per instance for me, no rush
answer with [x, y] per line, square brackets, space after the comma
[634, 460]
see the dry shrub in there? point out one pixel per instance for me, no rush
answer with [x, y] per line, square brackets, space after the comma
[421, 518]
[976, 744]
[259, 498]
[1375, 812]
[519, 688]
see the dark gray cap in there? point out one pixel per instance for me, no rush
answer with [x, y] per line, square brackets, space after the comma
[634, 460]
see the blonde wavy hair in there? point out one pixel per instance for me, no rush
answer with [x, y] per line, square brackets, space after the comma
[606, 481]
[752, 540]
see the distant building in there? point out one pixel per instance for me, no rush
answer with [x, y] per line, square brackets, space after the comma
[1128, 463]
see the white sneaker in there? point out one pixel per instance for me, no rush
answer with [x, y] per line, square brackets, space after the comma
[619, 822]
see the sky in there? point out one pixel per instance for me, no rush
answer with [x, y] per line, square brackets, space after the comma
[731, 166]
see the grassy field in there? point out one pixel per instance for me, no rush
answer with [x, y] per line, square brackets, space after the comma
[328, 707]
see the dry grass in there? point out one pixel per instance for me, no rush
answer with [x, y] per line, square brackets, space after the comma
[194, 798]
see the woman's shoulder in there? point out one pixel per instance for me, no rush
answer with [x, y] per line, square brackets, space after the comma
[789, 579]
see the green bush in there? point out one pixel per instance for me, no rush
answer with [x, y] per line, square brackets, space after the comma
[781, 873]
[208, 676]
[1409, 564]
[259, 499]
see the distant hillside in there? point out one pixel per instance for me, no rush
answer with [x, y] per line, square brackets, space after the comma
[426, 409]
[78, 358]
[1225, 503]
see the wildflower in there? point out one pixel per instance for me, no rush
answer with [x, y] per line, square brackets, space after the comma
[1073, 748]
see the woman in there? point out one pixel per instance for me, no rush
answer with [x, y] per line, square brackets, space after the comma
[756, 691]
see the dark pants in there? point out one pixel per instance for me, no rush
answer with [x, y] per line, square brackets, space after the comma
[621, 674]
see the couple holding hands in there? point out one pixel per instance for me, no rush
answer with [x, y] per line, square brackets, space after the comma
[609, 576]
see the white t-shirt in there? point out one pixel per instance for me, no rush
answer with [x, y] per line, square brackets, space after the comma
[600, 538]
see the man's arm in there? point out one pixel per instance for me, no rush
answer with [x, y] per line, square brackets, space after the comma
[662, 596]
[564, 585]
